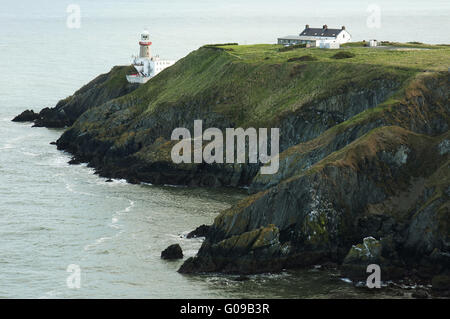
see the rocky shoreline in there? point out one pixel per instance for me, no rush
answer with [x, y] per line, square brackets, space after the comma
[364, 163]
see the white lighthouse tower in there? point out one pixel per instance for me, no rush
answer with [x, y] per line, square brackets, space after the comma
[145, 45]
[146, 65]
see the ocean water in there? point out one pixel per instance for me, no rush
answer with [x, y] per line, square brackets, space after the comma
[54, 215]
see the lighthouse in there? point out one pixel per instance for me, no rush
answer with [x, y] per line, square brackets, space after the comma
[146, 65]
[145, 45]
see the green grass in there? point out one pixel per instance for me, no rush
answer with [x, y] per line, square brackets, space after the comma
[426, 57]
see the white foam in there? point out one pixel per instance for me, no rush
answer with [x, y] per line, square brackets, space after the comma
[347, 280]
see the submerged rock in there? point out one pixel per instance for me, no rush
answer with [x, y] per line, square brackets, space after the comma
[172, 252]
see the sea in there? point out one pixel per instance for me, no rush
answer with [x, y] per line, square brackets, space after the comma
[58, 220]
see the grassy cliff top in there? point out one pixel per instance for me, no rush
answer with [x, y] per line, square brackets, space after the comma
[408, 55]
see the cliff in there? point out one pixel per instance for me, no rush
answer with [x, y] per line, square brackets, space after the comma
[229, 86]
[364, 163]
[103, 88]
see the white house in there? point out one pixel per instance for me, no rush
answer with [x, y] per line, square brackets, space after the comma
[318, 37]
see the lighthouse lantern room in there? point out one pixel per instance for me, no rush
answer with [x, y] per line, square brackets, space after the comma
[146, 65]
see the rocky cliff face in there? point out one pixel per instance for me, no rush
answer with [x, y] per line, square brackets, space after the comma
[423, 110]
[358, 180]
[382, 186]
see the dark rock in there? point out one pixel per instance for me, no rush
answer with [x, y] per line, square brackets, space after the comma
[172, 252]
[109, 181]
[359, 257]
[200, 231]
[74, 161]
[369, 252]
[441, 283]
[133, 180]
[420, 294]
[51, 118]
[257, 251]
[242, 278]
[52, 143]
[26, 116]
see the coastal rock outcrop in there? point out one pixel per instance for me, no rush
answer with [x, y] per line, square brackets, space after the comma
[255, 251]
[26, 116]
[172, 252]
[369, 252]
[103, 88]
[200, 231]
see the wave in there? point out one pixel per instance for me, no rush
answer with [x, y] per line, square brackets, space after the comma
[97, 242]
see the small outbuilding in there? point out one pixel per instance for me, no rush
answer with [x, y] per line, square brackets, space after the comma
[373, 43]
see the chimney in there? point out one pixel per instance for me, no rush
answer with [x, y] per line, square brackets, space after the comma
[343, 27]
[325, 26]
[307, 26]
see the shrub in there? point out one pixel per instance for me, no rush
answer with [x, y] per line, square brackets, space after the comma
[303, 58]
[217, 46]
[343, 55]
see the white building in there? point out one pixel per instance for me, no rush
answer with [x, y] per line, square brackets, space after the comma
[318, 37]
[146, 65]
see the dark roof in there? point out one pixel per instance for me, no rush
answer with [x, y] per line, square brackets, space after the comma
[321, 32]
